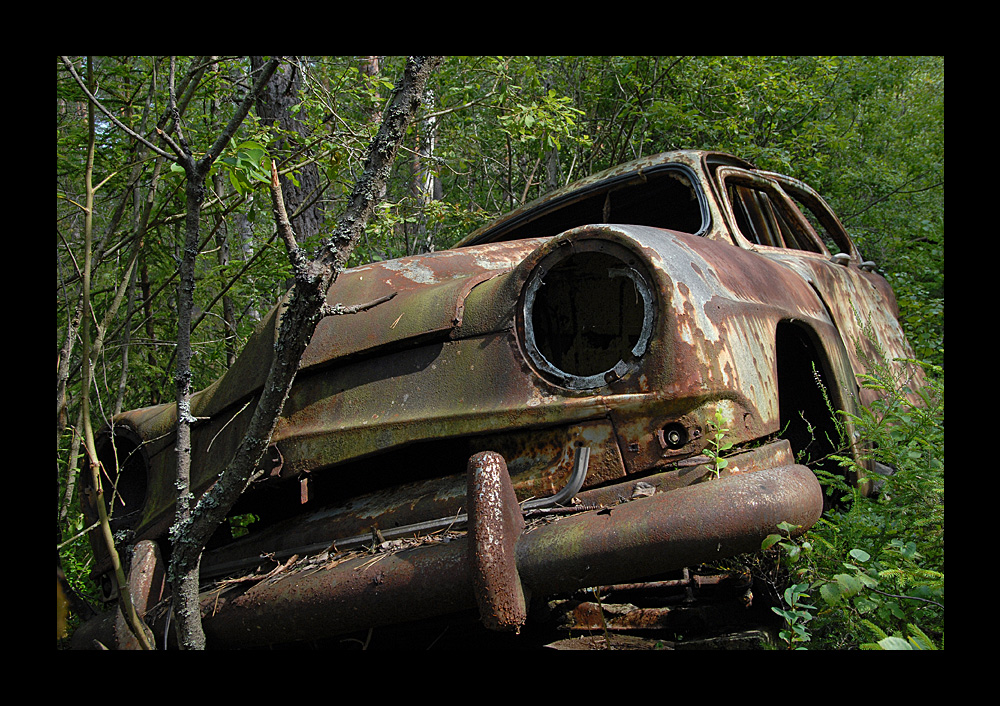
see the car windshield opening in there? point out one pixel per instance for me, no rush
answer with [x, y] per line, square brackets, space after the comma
[665, 198]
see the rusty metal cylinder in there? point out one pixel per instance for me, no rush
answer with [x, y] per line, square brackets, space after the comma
[495, 524]
[668, 531]
[367, 591]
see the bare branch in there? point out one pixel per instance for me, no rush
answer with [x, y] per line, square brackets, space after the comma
[295, 254]
[340, 309]
[110, 115]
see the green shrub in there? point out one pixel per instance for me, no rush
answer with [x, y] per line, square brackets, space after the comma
[875, 566]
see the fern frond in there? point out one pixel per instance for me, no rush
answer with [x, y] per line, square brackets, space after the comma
[878, 632]
[919, 639]
[900, 577]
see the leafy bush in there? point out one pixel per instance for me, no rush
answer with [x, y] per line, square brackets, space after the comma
[874, 567]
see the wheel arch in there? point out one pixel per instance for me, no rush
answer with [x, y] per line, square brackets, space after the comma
[816, 399]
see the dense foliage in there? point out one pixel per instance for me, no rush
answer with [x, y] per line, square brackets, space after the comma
[867, 132]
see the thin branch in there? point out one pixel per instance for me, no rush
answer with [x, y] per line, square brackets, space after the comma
[894, 192]
[110, 115]
[341, 310]
[227, 133]
[94, 464]
[295, 254]
[912, 598]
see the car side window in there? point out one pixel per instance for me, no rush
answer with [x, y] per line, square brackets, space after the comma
[820, 216]
[830, 239]
[664, 197]
[765, 219]
[748, 214]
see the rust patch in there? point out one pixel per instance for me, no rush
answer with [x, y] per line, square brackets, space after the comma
[495, 523]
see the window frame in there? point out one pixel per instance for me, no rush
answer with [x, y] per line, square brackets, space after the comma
[803, 195]
[779, 214]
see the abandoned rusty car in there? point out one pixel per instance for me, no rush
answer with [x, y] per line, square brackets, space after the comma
[585, 353]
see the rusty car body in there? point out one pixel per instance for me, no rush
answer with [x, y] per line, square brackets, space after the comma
[584, 351]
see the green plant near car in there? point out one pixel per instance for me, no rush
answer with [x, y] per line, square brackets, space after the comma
[874, 567]
[717, 443]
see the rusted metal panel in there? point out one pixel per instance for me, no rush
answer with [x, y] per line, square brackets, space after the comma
[862, 306]
[544, 469]
[711, 349]
[430, 294]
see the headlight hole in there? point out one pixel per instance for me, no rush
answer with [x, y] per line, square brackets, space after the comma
[587, 315]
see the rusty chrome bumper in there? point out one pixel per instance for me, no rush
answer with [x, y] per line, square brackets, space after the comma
[501, 563]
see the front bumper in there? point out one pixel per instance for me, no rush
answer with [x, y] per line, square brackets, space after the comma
[500, 563]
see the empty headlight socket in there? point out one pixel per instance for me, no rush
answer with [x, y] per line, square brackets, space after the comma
[586, 317]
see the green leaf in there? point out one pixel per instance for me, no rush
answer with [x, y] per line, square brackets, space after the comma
[830, 592]
[864, 605]
[792, 553]
[909, 550]
[867, 580]
[849, 584]
[769, 541]
[240, 185]
[250, 145]
[894, 643]
[860, 554]
[787, 527]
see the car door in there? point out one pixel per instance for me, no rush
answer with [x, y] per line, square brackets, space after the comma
[785, 220]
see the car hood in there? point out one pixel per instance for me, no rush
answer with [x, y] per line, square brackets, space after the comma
[429, 302]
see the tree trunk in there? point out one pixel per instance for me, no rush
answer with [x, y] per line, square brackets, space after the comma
[370, 69]
[426, 186]
[183, 565]
[275, 109]
[222, 257]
